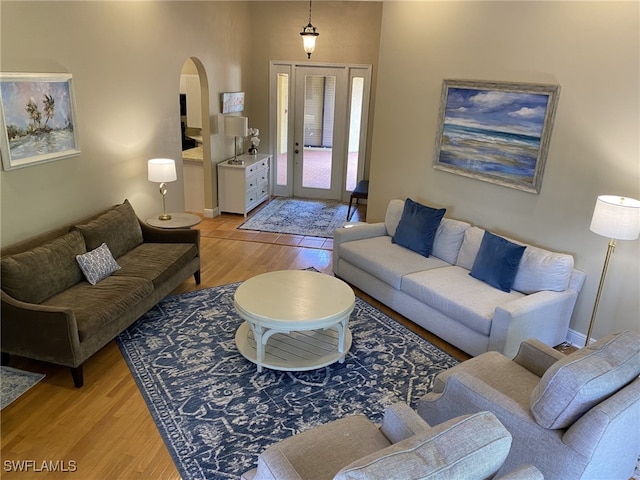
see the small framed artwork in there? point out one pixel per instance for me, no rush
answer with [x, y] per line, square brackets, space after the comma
[496, 132]
[37, 118]
[232, 102]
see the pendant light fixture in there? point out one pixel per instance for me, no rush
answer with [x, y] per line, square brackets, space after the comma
[309, 35]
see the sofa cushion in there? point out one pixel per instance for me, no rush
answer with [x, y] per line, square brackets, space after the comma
[448, 240]
[539, 269]
[119, 228]
[393, 215]
[497, 261]
[41, 272]
[574, 384]
[469, 248]
[156, 262]
[473, 446]
[418, 226]
[96, 306]
[453, 292]
[385, 260]
[543, 270]
[97, 264]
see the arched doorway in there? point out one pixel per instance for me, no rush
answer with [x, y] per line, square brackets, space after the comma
[196, 138]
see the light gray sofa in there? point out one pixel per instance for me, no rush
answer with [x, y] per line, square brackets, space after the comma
[50, 312]
[471, 447]
[438, 293]
[576, 416]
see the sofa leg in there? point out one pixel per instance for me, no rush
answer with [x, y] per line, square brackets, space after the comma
[78, 376]
[196, 276]
[5, 359]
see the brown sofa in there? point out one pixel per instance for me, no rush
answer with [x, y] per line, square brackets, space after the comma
[50, 312]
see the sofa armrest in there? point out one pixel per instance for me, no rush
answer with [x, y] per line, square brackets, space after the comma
[542, 315]
[536, 356]
[358, 232]
[175, 235]
[400, 421]
[352, 233]
[40, 332]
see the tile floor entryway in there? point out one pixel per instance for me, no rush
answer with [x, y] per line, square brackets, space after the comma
[226, 226]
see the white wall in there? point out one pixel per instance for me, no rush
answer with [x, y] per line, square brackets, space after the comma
[126, 59]
[590, 49]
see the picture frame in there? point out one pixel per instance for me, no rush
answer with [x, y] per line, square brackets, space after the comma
[232, 102]
[37, 119]
[497, 132]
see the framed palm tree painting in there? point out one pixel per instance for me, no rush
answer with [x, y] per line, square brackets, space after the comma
[37, 118]
[496, 132]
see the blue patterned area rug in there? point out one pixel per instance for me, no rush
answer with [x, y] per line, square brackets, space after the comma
[14, 382]
[216, 413]
[314, 218]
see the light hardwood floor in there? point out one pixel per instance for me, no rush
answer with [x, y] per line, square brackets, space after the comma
[104, 429]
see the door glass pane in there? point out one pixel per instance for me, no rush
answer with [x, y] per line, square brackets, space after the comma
[355, 122]
[282, 128]
[319, 110]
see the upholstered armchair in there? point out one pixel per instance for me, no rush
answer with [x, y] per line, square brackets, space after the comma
[572, 416]
[405, 446]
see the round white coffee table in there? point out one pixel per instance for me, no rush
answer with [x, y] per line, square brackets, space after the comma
[303, 316]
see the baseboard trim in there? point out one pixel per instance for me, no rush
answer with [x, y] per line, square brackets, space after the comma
[211, 213]
[576, 339]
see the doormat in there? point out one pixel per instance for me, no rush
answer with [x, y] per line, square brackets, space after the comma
[295, 216]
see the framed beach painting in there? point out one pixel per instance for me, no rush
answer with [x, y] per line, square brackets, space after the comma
[496, 132]
[37, 118]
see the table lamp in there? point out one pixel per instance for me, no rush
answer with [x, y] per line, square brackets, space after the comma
[236, 127]
[162, 170]
[617, 218]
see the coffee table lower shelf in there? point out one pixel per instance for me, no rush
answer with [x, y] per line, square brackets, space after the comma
[295, 351]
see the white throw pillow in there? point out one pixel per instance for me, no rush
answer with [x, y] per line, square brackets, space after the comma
[97, 264]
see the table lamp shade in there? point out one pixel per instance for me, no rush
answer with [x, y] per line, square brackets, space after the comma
[236, 126]
[162, 170]
[616, 217]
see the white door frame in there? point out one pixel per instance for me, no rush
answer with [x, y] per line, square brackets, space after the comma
[290, 68]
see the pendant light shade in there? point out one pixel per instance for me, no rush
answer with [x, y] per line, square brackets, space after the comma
[309, 36]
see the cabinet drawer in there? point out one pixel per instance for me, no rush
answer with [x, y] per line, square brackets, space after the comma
[256, 167]
[252, 182]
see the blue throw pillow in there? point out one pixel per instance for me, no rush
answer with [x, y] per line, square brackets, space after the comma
[497, 261]
[417, 227]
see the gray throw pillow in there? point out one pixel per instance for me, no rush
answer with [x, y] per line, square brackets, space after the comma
[97, 264]
[572, 385]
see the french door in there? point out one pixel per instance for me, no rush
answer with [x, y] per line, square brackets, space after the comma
[318, 118]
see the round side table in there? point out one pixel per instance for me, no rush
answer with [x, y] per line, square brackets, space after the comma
[178, 220]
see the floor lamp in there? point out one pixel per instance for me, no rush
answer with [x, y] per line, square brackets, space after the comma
[617, 218]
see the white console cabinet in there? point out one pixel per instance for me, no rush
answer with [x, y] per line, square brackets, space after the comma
[241, 188]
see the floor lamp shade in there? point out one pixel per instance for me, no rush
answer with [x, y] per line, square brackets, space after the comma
[616, 217]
